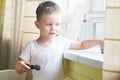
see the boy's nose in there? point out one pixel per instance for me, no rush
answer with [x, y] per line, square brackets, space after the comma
[53, 27]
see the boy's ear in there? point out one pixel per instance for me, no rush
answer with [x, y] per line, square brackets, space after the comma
[37, 24]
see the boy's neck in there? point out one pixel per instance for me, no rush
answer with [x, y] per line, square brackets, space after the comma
[45, 42]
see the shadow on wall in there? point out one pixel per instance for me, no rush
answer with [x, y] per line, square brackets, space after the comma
[0, 24]
[4, 44]
[5, 54]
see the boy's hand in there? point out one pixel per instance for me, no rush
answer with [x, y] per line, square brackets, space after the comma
[21, 67]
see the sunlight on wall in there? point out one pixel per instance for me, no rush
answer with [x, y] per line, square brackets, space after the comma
[0, 15]
[69, 8]
[87, 28]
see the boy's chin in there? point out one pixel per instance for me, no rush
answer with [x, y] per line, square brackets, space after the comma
[52, 36]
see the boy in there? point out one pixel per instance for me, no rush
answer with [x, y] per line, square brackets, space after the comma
[47, 50]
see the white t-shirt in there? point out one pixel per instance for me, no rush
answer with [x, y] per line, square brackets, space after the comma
[49, 59]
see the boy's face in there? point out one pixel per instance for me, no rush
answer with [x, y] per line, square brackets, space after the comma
[49, 24]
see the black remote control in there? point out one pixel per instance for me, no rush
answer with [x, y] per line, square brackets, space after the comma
[37, 67]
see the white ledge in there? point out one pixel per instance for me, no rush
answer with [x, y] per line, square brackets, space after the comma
[92, 57]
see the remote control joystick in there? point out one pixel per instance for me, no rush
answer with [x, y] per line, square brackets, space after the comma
[37, 67]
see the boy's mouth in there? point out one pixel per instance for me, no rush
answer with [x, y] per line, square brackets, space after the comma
[52, 33]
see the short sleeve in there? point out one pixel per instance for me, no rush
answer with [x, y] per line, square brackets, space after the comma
[25, 54]
[66, 42]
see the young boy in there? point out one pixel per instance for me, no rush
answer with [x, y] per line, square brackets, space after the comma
[47, 50]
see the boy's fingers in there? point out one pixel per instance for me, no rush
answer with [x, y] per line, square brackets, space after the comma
[102, 50]
[24, 64]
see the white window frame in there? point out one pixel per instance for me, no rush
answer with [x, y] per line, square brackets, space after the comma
[93, 17]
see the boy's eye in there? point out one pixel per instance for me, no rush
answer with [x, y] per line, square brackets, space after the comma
[48, 24]
[57, 24]
[52, 24]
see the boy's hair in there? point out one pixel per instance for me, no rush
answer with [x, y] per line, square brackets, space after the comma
[46, 7]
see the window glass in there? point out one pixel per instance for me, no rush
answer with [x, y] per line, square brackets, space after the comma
[99, 29]
[98, 5]
[69, 7]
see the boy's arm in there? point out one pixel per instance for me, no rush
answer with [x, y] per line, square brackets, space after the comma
[77, 45]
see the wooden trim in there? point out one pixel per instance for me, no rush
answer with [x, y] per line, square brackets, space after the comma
[33, 0]
[111, 39]
[107, 70]
[30, 32]
[30, 16]
[112, 7]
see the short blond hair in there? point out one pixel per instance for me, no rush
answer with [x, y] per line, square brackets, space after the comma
[46, 7]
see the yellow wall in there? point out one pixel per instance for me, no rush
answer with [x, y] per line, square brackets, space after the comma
[0, 7]
[79, 71]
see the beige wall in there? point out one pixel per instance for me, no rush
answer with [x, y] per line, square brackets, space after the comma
[29, 29]
[111, 65]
